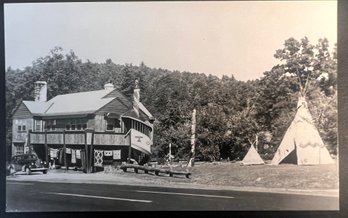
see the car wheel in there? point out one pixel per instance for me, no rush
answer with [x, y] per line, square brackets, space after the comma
[44, 172]
[27, 171]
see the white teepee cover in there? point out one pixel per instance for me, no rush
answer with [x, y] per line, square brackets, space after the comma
[304, 136]
[252, 157]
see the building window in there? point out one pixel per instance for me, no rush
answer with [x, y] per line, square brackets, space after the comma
[110, 127]
[110, 124]
[48, 127]
[76, 124]
[38, 125]
[21, 128]
[19, 149]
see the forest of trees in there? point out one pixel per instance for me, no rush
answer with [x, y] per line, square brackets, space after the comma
[229, 112]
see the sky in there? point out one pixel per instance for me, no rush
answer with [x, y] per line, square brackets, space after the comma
[218, 38]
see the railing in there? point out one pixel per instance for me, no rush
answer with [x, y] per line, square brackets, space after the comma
[78, 138]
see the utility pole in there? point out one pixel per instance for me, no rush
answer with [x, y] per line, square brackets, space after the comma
[193, 132]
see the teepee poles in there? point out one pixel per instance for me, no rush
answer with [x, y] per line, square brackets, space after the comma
[299, 81]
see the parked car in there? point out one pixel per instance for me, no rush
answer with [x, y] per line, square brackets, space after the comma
[8, 168]
[27, 163]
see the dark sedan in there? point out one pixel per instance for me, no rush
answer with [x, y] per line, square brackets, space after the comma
[27, 163]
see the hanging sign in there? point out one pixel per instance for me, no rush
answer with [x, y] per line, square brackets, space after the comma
[53, 153]
[78, 154]
[98, 158]
[68, 150]
[73, 156]
[116, 154]
[107, 153]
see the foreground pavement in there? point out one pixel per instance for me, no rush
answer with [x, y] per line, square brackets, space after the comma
[34, 196]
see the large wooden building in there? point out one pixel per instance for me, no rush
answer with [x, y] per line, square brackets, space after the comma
[84, 130]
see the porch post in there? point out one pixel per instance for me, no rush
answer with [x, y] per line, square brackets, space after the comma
[28, 142]
[46, 148]
[92, 152]
[88, 167]
[64, 151]
[130, 147]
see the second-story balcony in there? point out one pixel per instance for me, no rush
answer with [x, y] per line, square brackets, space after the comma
[78, 138]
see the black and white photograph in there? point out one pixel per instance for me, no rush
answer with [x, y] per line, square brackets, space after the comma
[171, 106]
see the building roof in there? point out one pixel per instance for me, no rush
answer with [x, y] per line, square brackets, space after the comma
[143, 109]
[36, 107]
[133, 114]
[69, 104]
[80, 103]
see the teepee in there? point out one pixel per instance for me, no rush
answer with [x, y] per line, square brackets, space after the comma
[252, 157]
[302, 143]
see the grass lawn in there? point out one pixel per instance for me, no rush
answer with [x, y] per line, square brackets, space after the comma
[269, 176]
[233, 174]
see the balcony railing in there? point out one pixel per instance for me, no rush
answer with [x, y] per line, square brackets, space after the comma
[78, 138]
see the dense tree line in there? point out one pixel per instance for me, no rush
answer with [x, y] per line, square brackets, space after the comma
[230, 113]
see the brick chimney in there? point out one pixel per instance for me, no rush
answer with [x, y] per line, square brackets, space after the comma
[40, 91]
[108, 86]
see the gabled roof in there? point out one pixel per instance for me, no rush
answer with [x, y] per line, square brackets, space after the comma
[83, 103]
[77, 103]
[69, 104]
[36, 107]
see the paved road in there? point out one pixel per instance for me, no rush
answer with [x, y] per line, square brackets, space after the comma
[41, 196]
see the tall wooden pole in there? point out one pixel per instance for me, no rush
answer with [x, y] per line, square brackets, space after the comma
[191, 162]
[170, 153]
[256, 142]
